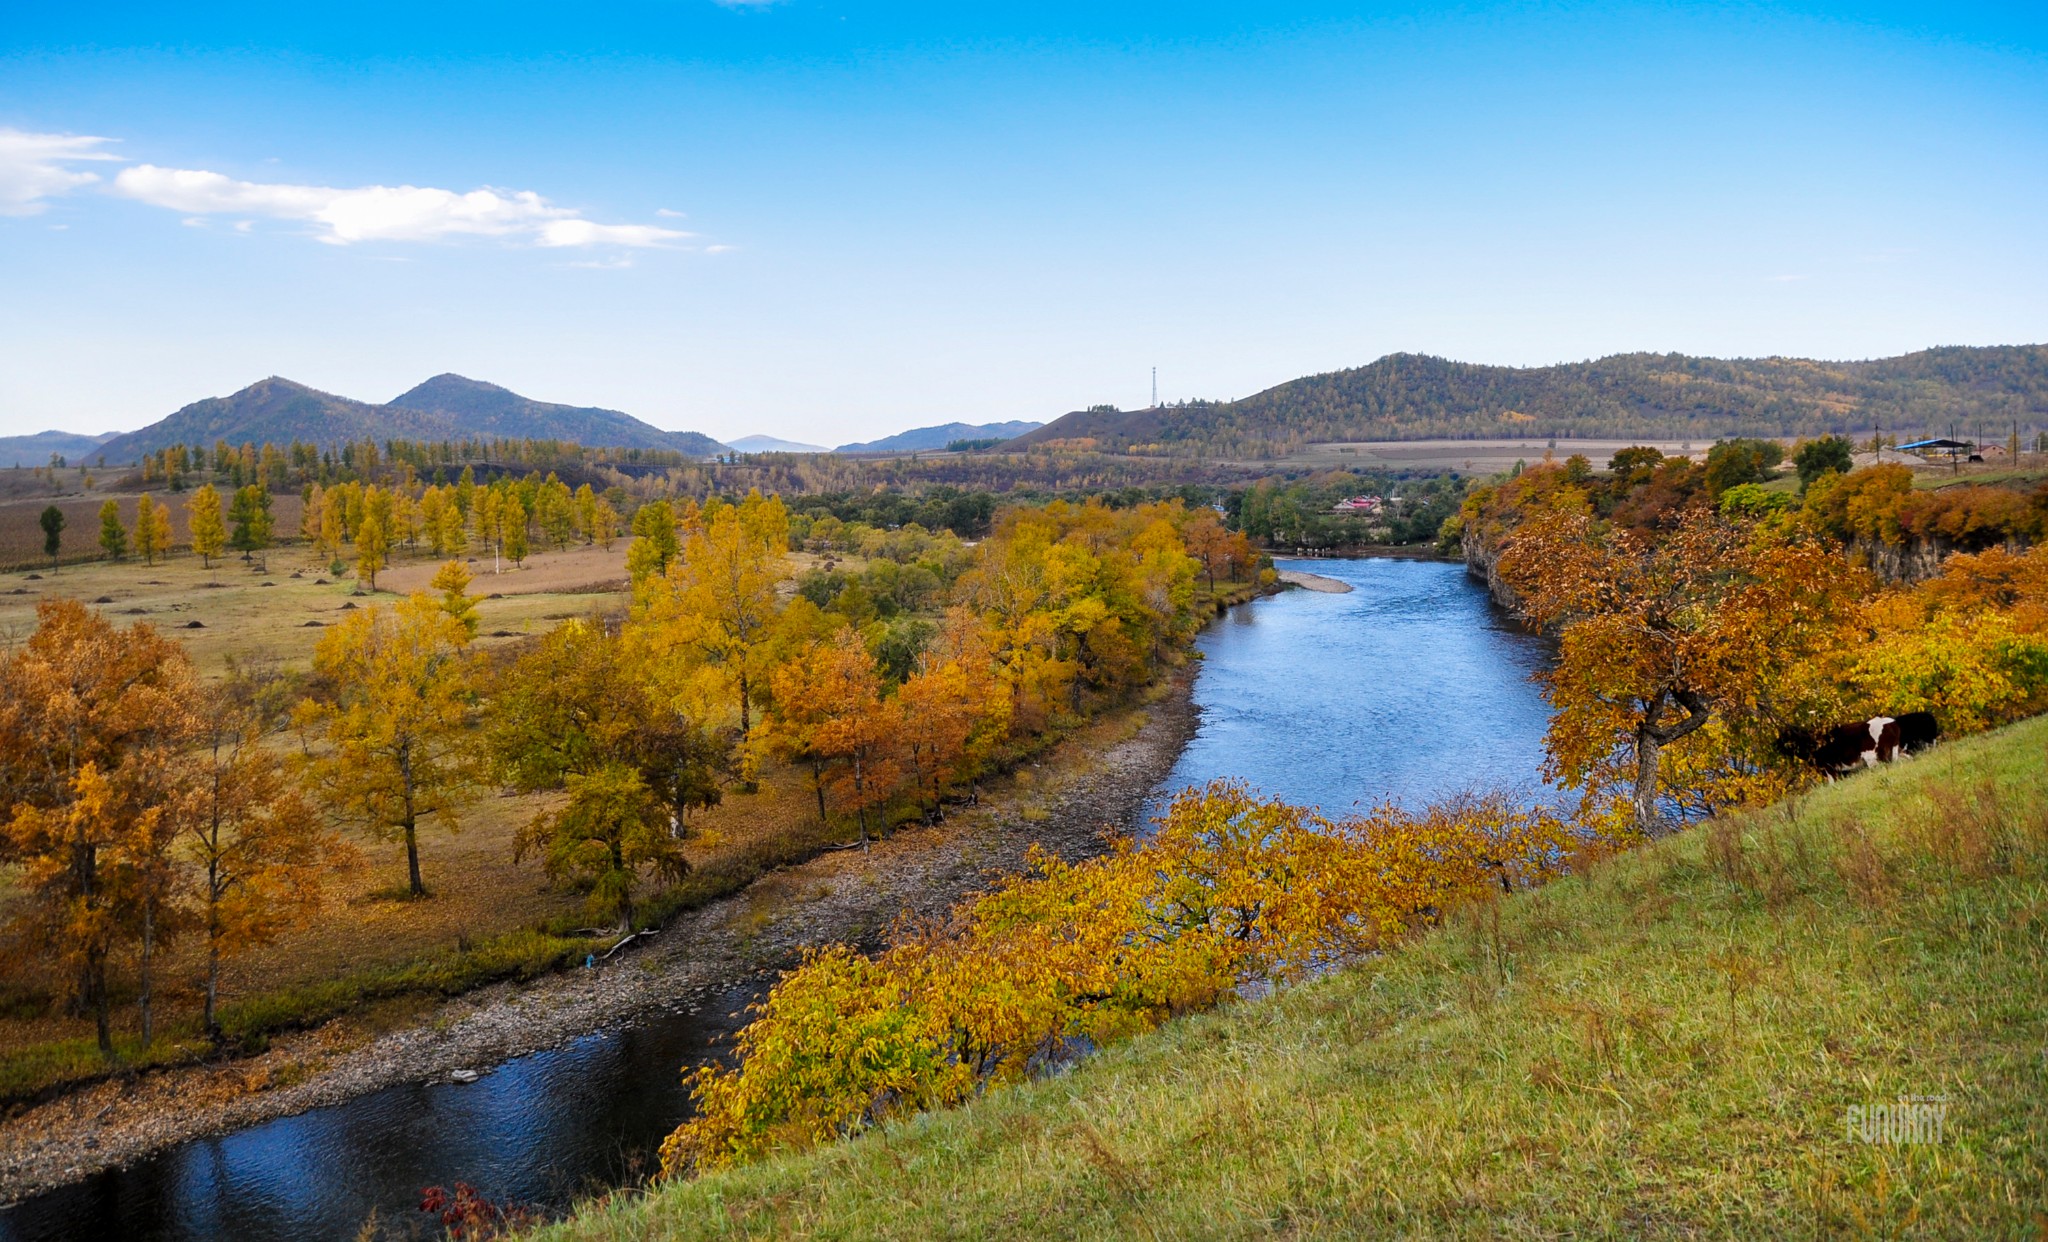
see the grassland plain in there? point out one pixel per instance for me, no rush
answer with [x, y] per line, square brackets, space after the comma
[1669, 1045]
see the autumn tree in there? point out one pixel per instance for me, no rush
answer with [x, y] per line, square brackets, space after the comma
[203, 519]
[113, 535]
[452, 581]
[856, 730]
[1658, 634]
[718, 597]
[152, 530]
[90, 717]
[257, 846]
[573, 715]
[396, 721]
[371, 548]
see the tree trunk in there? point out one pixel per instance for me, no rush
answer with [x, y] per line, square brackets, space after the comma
[1650, 740]
[1647, 819]
[412, 859]
[213, 990]
[96, 997]
[143, 997]
[818, 784]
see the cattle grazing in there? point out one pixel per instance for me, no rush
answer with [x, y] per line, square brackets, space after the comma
[1917, 732]
[1840, 748]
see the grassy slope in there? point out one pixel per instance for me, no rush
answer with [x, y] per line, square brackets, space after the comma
[1666, 1046]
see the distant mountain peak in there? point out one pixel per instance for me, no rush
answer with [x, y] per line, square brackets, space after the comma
[447, 407]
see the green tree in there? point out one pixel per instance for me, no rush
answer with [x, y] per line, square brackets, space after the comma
[53, 534]
[575, 714]
[113, 535]
[250, 512]
[1731, 463]
[1817, 457]
[655, 542]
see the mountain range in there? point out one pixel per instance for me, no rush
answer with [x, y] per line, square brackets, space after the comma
[771, 444]
[923, 439]
[1414, 396]
[446, 407]
[37, 449]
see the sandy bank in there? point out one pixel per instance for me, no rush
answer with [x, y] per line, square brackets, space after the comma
[1314, 582]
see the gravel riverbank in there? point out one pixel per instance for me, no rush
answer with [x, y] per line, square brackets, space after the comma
[1098, 780]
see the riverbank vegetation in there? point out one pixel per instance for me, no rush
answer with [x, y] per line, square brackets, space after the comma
[951, 661]
[1678, 1040]
[1696, 626]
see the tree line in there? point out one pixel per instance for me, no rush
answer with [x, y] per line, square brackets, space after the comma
[145, 808]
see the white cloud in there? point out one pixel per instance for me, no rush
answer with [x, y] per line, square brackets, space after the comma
[36, 167]
[385, 213]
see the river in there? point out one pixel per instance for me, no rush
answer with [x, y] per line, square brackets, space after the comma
[1409, 688]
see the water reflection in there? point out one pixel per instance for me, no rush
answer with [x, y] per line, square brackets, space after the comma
[1410, 688]
[540, 1129]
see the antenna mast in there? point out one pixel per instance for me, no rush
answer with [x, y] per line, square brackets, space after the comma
[1155, 388]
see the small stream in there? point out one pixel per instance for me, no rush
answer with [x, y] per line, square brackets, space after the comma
[1409, 688]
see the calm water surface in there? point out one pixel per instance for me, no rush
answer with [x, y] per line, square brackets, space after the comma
[1409, 688]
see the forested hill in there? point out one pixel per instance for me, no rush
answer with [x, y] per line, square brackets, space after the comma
[1413, 396]
[447, 407]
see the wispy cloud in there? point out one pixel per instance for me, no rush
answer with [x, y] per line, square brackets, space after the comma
[405, 213]
[37, 167]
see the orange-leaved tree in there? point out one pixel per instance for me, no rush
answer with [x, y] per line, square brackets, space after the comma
[1659, 633]
[259, 849]
[396, 721]
[90, 717]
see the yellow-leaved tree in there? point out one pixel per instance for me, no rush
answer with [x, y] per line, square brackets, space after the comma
[209, 530]
[717, 600]
[395, 718]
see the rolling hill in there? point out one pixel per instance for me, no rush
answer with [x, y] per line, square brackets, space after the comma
[278, 411]
[923, 439]
[1413, 396]
[36, 450]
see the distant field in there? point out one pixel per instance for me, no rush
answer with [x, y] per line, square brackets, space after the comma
[21, 510]
[1466, 456]
[236, 611]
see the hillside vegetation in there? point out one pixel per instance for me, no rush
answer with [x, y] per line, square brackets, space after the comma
[447, 407]
[1413, 396]
[1671, 1044]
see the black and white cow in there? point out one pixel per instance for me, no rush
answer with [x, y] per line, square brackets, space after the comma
[1841, 748]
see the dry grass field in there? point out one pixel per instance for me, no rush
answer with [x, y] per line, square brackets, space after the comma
[274, 613]
[1465, 456]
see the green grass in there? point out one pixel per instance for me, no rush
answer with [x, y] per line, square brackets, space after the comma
[1666, 1046]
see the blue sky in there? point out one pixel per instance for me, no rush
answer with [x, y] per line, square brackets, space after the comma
[829, 221]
